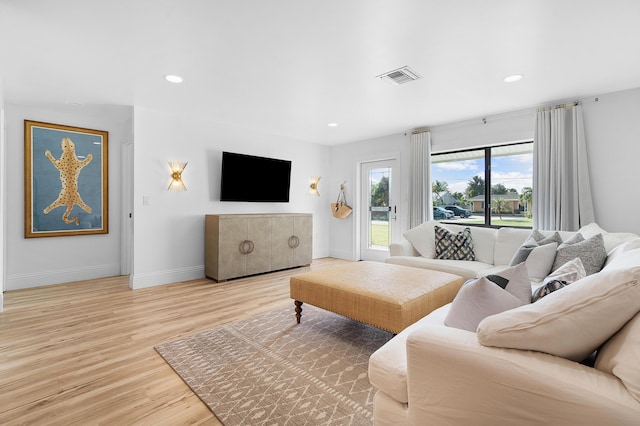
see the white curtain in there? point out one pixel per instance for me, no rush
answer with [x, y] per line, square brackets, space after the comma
[561, 189]
[420, 202]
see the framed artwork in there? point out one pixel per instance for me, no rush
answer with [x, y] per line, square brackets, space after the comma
[65, 180]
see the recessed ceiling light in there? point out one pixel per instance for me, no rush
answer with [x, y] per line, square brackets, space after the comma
[513, 78]
[332, 124]
[173, 78]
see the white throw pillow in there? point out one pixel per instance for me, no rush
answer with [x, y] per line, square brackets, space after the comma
[422, 238]
[570, 323]
[476, 300]
[538, 259]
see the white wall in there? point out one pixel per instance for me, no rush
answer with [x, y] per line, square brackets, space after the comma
[613, 140]
[169, 231]
[41, 261]
[345, 163]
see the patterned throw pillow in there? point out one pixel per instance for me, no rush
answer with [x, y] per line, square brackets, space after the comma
[454, 246]
[568, 273]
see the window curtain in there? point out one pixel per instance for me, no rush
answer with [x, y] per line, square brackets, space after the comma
[562, 189]
[420, 202]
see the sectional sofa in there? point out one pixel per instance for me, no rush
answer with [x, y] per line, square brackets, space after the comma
[570, 357]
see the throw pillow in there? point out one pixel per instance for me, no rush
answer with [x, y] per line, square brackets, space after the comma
[421, 238]
[547, 288]
[514, 280]
[571, 323]
[476, 300]
[454, 246]
[591, 252]
[538, 259]
[568, 273]
[540, 238]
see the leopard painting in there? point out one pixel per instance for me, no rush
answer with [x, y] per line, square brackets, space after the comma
[69, 167]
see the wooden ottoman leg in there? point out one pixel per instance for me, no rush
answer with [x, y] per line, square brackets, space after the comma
[298, 310]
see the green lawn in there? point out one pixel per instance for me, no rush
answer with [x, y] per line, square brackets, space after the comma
[380, 234]
[519, 221]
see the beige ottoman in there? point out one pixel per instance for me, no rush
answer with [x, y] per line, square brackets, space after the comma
[385, 295]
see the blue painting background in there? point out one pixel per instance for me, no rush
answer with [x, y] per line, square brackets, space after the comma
[47, 186]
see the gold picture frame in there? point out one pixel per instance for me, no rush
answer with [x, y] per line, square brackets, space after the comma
[66, 180]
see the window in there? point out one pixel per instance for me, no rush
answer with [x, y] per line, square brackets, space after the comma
[488, 186]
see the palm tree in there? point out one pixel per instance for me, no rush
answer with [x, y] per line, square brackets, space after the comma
[475, 187]
[438, 187]
[526, 197]
[499, 204]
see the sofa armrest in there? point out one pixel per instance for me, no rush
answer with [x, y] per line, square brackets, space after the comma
[453, 379]
[402, 248]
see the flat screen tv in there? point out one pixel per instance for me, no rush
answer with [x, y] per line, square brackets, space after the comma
[257, 179]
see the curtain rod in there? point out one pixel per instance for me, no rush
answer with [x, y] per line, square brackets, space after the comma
[565, 105]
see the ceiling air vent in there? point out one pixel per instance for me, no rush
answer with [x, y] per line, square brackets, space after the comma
[399, 76]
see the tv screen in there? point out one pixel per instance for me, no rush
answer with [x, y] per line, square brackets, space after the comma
[251, 178]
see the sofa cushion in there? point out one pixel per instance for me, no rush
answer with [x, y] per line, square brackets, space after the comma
[570, 323]
[611, 239]
[620, 257]
[388, 364]
[476, 300]
[463, 268]
[620, 354]
[454, 246]
[591, 251]
[507, 242]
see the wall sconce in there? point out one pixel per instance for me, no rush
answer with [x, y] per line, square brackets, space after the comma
[313, 185]
[176, 184]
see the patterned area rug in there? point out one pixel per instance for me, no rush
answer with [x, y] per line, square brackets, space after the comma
[270, 370]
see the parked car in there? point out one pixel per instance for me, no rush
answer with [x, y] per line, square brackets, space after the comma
[458, 211]
[440, 213]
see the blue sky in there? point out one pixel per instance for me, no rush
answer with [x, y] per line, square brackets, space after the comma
[513, 171]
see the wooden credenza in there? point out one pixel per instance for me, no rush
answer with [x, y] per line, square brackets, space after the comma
[246, 244]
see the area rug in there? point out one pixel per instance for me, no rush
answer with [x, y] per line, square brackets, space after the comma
[270, 370]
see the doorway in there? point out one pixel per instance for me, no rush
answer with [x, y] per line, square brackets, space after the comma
[380, 191]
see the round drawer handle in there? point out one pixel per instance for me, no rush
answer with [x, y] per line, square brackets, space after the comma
[294, 241]
[246, 247]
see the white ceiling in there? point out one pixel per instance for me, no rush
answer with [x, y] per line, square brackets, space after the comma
[290, 67]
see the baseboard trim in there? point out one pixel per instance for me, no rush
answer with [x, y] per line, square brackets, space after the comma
[152, 279]
[39, 279]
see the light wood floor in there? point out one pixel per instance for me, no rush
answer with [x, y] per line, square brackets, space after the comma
[83, 353]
